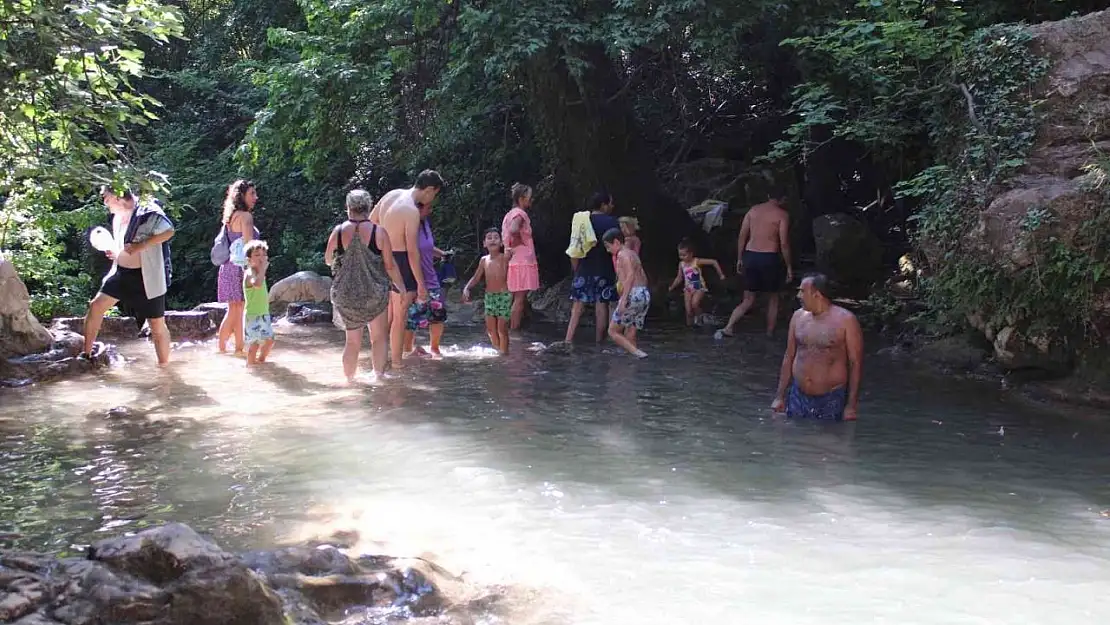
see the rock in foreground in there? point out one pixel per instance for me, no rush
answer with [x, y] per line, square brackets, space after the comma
[170, 575]
[20, 332]
[59, 361]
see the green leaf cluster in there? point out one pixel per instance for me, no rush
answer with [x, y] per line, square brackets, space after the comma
[70, 94]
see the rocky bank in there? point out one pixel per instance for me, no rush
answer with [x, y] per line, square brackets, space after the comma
[1058, 186]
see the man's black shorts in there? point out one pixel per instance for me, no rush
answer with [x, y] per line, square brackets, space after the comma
[764, 272]
[126, 285]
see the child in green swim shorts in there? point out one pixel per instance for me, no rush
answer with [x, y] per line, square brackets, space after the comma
[494, 267]
[257, 327]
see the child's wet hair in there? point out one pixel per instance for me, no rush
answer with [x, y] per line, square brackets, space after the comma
[686, 244]
[612, 234]
[255, 244]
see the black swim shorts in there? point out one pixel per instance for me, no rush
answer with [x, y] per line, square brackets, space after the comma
[402, 260]
[126, 285]
[763, 272]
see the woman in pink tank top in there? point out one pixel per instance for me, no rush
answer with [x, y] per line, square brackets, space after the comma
[516, 232]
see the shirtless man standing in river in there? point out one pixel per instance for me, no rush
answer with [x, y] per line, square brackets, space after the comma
[764, 237]
[824, 358]
[399, 213]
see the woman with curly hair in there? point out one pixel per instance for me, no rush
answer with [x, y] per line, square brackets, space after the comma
[239, 221]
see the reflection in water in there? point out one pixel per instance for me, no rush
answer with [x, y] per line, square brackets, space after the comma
[660, 491]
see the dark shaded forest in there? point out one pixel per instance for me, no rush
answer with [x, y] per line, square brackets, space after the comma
[664, 103]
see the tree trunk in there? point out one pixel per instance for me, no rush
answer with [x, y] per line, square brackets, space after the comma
[591, 141]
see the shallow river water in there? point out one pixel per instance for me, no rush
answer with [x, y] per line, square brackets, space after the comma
[605, 490]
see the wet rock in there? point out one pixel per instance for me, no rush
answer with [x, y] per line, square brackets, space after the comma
[61, 361]
[558, 347]
[170, 575]
[304, 313]
[189, 577]
[952, 352]
[303, 286]
[164, 576]
[20, 332]
[848, 252]
[325, 581]
[552, 304]
[68, 343]
[216, 312]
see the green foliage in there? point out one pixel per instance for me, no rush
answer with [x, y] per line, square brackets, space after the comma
[1058, 290]
[875, 79]
[69, 93]
[923, 89]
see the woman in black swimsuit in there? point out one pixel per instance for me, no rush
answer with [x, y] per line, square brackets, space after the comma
[362, 262]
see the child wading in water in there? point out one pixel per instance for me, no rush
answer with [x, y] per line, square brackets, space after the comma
[499, 301]
[630, 226]
[689, 273]
[635, 298]
[257, 328]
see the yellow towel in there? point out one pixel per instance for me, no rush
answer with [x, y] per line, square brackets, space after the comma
[582, 237]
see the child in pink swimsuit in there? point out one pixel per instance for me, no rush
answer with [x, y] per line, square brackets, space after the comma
[524, 271]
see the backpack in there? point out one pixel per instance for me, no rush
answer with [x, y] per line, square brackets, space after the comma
[221, 249]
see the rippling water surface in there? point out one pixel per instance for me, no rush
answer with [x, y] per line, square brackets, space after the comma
[614, 491]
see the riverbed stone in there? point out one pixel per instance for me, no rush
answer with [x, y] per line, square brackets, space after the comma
[20, 332]
[552, 304]
[111, 327]
[305, 313]
[189, 324]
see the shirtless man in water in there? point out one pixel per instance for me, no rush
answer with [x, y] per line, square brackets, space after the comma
[764, 236]
[824, 358]
[399, 213]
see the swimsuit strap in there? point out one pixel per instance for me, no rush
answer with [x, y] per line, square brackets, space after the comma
[374, 239]
[358, 222]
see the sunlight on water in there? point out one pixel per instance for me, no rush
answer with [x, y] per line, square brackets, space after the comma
[600, 490]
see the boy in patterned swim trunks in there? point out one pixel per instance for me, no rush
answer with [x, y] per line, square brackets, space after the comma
[635, 298]
[258, 331]
[499, 301]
